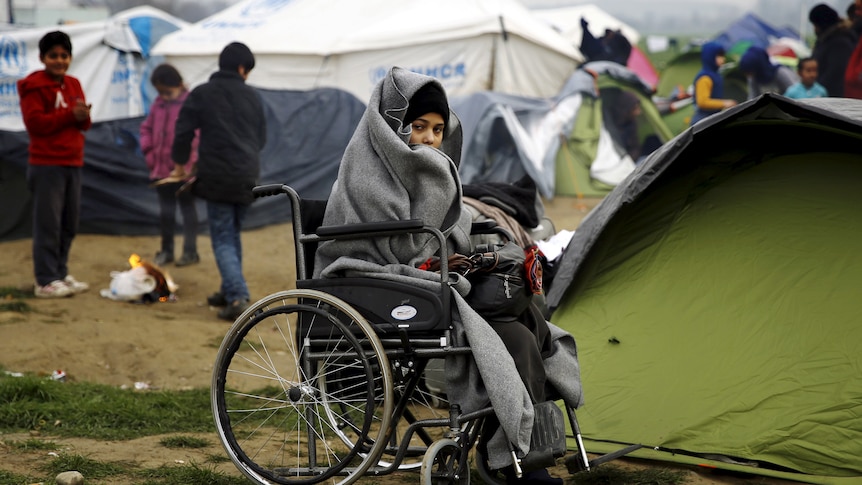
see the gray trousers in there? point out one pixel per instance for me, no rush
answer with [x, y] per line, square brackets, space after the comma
[56, 195]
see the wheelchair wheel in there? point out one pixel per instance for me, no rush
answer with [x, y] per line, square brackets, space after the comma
[275, 408]
[443, 464]
[412, 394]
[489, 476]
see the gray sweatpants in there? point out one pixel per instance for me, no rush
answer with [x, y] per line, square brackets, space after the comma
[56, 210]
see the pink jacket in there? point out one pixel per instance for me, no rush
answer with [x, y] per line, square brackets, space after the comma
[157, 137]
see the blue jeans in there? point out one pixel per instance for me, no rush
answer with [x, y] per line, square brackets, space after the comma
[225, 221]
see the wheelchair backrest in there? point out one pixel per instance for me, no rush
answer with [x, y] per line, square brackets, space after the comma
[390, 306]
[310, 218]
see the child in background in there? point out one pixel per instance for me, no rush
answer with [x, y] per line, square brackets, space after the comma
[709, 84]
[157, 139]
[763, 75]
[56, 116]
[807, 87]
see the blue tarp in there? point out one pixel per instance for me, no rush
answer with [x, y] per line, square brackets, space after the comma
[751, 28]
[307, 134]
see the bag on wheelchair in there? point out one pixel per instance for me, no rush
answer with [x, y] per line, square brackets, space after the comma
[504, 278]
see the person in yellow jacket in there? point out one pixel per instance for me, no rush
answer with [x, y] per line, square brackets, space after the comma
[709, 85]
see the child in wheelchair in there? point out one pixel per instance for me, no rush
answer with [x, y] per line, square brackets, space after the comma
[402, 164]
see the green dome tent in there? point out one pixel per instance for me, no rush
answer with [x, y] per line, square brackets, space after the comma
[565, 143]
[714, 296]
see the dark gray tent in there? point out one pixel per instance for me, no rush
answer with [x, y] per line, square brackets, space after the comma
[565, 143]
[307, 134]
[714, 296]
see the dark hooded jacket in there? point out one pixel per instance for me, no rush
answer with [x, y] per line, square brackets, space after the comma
[229, 114]
[763, 75]
[832, 50]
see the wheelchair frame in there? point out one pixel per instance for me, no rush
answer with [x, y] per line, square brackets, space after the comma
[306, 390]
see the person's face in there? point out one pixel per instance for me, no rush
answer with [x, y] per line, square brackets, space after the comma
[858, 8]
[720, 59]
[56, 61]
[428, 130]
[169, 93]
[808, 73]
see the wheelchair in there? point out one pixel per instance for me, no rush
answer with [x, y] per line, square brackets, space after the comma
[340, 378]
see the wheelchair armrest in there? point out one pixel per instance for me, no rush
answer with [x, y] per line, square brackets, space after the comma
[490, 227]
[364, 228]
[483, 227]
[269, 189]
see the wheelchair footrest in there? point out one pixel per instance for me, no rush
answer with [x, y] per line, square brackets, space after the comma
[537, 459]
[575, 464]
[549, 429]
[615, 454]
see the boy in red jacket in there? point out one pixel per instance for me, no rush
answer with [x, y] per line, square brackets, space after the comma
[56, 114]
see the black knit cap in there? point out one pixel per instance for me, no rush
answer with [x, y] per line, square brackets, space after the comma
[823, 16]
[429, 99]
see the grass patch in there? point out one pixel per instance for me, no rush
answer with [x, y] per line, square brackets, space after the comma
[99, 411]
[184, 475]
[91, 469]
[15, 306]
[608, 474]
[10, 300]
[12, 293]
[217, 458]
[14, 479]
[32, 445]
[184, 442]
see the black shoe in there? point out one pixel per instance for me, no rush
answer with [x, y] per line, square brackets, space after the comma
[232, 311]
[216, 299]
[188, 258]
[540, 477]
[162, 258]
[536, 477]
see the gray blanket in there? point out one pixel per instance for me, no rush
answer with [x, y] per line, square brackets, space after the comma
[381, 178]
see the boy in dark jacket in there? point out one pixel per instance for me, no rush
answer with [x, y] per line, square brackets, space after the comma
[230, 117]
[56, 114]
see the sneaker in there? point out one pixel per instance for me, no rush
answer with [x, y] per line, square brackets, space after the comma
[54, 289]
[162, 258]
[232, 311]
[188, 258]
[216, 299]
[75, 285]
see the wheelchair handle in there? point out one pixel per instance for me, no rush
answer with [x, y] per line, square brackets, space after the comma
[267, 190]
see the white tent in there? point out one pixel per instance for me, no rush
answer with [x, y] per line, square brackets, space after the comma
[109, 58]
[470, 45]
[567, 21]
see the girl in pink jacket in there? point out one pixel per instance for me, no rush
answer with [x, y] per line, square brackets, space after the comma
[157, 137]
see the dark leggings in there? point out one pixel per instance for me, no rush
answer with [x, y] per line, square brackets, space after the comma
[528, 341]
[168, 201]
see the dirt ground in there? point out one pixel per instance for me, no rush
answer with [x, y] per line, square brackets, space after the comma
[169, 345]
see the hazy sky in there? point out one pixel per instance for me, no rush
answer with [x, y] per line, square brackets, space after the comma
[703, 16]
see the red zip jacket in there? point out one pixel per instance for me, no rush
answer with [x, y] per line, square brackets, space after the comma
[56, 138]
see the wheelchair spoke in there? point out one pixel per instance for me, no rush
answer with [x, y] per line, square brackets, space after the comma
[276, 417]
